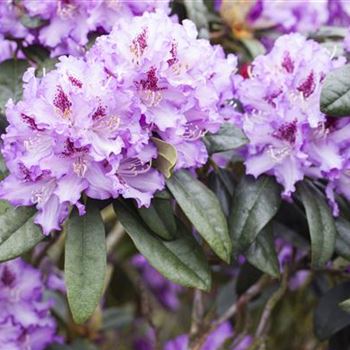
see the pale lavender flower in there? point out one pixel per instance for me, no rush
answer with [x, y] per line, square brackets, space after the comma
[25, 320]
[282, 118]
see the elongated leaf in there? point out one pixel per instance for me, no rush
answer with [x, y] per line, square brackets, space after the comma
[329, 317]
[18, 233]
[335, 95]
[262, 253]
[203, 209]
[36, 53]
[11, 72]
[160, 218]
[217, 186]
[227, 138]
[255, 203]
[342, 243]
[180, 260]
[321, 224]
[167, 157]
[85, 263]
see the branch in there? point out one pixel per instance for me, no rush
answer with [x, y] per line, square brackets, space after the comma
[245, 298]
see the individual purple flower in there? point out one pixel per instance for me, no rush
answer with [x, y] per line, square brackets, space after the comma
[166, 292]
[281, 113]
[25, 319]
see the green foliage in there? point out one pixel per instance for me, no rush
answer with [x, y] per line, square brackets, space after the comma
[11, 72]
[262, 253]
[160, 218]
[203, 209]
[18, 233]
[255, 203]
[85, 262]
[321, 223]
[181, 260]
[227, 138]
[335, 96]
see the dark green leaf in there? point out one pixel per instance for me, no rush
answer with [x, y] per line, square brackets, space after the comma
[255, 203]
[221, 192]
[329, 317]
[11, 72]
[203, 209]
[321, 223]
[85, 262]
[342, 243]
[160, 218]
[180, 260]
[227, 138]
[18, 233]
[335, 95]
[36, 53]
[262, 253]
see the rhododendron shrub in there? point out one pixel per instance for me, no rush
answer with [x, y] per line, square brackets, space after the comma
[174, 175]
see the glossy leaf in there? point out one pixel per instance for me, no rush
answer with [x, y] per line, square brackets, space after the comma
[203, 209]
[18, 233]
[11, 72]
[160, 218]
[342, 243]
[181, 260]
[255, 203]
[321, 224]
[85, 263]
[335, 95]
[227, 138]
[262, 253]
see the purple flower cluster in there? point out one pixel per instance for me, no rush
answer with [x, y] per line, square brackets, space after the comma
[165, 291]
[89, 125]
[283, 16]
[25, 320]
[64, 25]
[289, 136]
